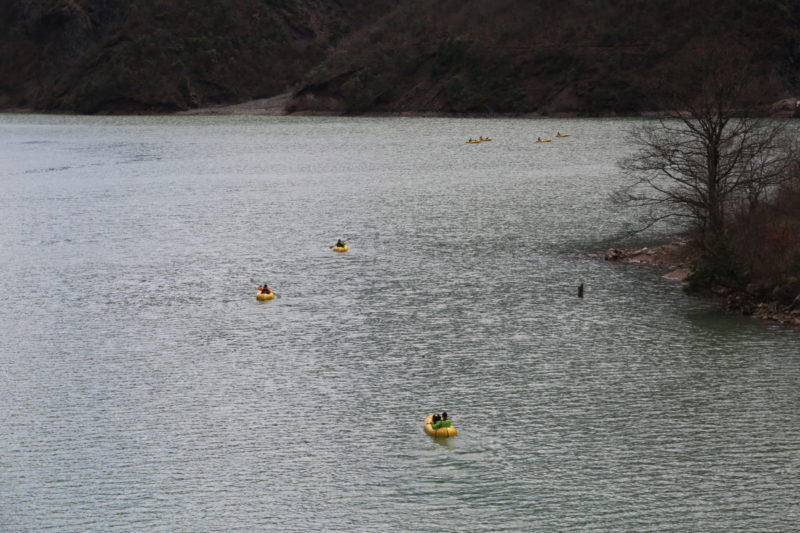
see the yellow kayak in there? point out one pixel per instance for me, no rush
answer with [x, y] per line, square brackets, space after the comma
[544, 141]
[440, 433]
[472, 142]
[487, 139]
[564, 135]
[341, 248]
[265, 296]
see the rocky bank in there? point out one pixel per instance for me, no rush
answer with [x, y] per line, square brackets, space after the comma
[779, 304]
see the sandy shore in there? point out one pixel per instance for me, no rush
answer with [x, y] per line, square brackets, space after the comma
[279, 105]
[275, 105]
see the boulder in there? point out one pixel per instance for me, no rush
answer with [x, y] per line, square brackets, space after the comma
[741, 301]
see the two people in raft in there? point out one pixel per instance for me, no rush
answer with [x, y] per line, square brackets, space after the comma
[441, 421]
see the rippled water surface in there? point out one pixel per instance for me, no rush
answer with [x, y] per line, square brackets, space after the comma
[143, 388]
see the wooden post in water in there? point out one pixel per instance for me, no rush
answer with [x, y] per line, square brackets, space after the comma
[580, 290]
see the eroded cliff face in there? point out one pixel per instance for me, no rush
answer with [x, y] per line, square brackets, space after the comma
[353, 56]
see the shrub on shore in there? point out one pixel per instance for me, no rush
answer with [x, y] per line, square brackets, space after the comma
[767, 236]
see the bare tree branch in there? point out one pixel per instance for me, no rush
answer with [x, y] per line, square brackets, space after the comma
[693, 164]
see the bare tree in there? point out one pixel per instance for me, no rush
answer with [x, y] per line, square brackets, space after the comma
[709, 150]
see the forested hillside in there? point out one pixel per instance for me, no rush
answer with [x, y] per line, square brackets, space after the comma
[585, 57]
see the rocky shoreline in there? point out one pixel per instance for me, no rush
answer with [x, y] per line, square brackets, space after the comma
[780, 304]
[676, 256]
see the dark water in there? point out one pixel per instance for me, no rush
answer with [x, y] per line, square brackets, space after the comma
[143, 388]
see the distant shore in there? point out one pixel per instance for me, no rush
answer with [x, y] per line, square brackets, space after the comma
[281, 104]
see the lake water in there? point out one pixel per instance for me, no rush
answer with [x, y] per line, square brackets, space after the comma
[143, 388]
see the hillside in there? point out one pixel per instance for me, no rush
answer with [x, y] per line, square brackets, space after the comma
[355, 56]
[163, 55]
[545, 56]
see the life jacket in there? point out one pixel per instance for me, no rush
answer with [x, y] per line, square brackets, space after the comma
[442, 424]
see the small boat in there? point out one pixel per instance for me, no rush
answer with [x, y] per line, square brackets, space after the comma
[487, 139]
[441, 433]
[261, 296]
[341, 248]
[563, 134]
[544, 141]
[472, 142]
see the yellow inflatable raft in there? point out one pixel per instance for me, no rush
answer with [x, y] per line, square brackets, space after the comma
[563, 135]
[340, 248]
[440, 433]
[544, 140]
[472, 142]
[487, 139]
[265, 296]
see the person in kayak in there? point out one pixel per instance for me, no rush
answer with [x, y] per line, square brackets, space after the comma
[442, 422]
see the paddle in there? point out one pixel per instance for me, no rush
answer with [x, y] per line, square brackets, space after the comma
[259, 284]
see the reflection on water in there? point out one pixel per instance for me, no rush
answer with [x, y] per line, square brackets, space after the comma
[145, 388]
